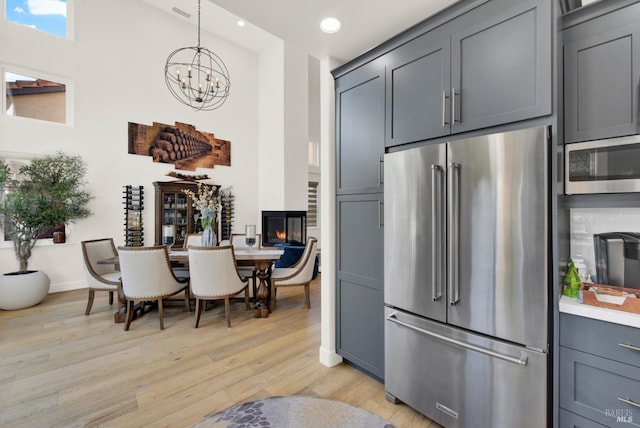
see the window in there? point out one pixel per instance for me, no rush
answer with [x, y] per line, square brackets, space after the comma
[35, 97]
[313, 153]
[312, 204]
[49, 16]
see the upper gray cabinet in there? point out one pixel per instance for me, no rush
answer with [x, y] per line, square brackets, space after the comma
[601, 76]
[487, 67]
[360, 130]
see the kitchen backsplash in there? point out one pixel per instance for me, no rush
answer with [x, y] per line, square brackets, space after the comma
[585, 222]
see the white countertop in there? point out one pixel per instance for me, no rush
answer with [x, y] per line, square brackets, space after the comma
[573, 306]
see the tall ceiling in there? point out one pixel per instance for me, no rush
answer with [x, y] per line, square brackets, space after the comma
[365, 23]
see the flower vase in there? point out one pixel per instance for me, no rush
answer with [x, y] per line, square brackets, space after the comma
[209, 238]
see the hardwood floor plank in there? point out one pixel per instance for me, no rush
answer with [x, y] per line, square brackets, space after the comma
[60, 368]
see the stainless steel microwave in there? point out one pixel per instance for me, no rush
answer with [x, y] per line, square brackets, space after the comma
[603, 166]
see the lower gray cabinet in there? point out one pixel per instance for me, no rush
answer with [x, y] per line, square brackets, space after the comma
[599, 373]
[359, 275]
[571, 420]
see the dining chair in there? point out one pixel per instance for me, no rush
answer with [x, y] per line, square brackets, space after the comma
[100, 277]
[194, 239]
[247, 272]
[214, 276]
[147, 275]
[299, 274]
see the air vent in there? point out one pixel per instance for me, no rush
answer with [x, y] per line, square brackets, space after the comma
[181, 12]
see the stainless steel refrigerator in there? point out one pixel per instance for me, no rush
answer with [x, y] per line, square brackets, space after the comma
[466, 279]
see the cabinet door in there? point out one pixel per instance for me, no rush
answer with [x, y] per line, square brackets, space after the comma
[599, 389]
[571, 420]
[418, 85]
[360, 297]
[501, 67]
[601, 83]
[360, 130]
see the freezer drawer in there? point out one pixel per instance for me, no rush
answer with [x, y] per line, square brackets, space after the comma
[460, 379]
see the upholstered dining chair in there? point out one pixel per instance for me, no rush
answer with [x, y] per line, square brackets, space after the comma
[214, 276]
[299, 274]
[147, 275]
[100, 277]
[194, 239]
[247, 272]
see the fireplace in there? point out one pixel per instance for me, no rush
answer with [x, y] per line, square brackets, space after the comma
[284, 227]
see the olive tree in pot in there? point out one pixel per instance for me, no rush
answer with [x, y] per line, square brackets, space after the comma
[47, 192]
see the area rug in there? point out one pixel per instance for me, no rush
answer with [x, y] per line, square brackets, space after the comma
[294, 411]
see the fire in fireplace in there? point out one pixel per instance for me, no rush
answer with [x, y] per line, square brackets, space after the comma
[284, 227]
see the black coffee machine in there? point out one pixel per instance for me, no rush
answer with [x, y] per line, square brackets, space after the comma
[618, 259]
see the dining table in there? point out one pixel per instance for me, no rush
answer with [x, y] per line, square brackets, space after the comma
[260, 258]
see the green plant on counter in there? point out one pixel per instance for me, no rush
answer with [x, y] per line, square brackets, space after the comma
[572, 281]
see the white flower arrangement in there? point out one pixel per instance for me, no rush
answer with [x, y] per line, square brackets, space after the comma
[204, 200]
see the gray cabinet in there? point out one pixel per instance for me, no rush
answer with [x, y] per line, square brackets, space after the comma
[601, 76]
[359, 274]
[360, 130]
[599, 371]
[490, 66]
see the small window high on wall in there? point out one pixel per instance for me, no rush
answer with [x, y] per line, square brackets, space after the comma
[35, 97]
[49, 16]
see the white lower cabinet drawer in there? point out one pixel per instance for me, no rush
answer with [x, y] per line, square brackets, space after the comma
[602, 390]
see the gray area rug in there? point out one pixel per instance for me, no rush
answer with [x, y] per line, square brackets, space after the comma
[295, 411]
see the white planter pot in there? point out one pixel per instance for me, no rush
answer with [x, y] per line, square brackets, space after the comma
[20, 290]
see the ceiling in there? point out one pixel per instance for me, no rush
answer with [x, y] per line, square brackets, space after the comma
[365, 23]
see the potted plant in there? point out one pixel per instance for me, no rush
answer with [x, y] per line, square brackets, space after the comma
[47, 192]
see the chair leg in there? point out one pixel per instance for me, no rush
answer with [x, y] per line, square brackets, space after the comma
[110, 298]
[92, 293]
[307, 301]
[272, 304]
[246, 297]
[227, 311]
[198, 311]
[187, 299]
[160, 313]
[129, 314]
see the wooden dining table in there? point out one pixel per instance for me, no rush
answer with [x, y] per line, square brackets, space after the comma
[260, 258]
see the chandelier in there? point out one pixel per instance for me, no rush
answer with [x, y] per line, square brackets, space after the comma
[197, 77]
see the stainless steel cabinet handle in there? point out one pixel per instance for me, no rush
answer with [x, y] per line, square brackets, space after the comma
[436, 232]
[629, 402]
[381, 172]
[380, 213]
[453, 200]
[633, 348]
[523, 360]
[444, 109]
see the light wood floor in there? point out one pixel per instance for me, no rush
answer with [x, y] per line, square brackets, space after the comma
[60, 368]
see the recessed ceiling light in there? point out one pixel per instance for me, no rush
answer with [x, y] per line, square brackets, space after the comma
[330, 25]
[241, 23]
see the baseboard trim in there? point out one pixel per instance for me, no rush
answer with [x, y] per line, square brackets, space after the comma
[67, 286]
[329, 358]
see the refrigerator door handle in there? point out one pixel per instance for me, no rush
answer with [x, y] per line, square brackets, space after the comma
[436, 232]
[453, 230]
[523, 360]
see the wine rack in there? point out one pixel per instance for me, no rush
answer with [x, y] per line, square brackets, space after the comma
[133, 206]
[226, 214]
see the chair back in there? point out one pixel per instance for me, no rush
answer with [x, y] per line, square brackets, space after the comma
[307, 261]
[95, 250]
[146, 272]
[194, 239]
[237, 240]
[213, 272]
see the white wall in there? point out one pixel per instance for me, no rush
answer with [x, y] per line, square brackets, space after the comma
[115, 67]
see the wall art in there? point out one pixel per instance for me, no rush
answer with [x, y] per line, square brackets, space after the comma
[180, 144]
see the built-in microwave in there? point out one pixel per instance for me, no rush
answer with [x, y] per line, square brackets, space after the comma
[603, 166]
